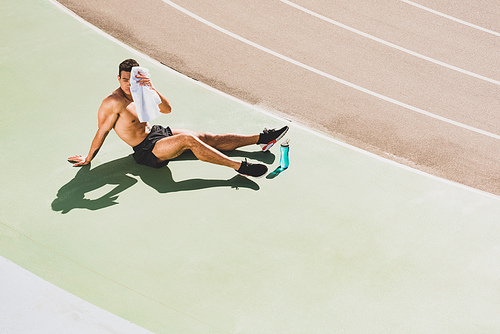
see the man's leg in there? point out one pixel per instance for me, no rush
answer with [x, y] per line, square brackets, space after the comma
[229, 142]
[221, 142]
[207, 147]
[171, 147]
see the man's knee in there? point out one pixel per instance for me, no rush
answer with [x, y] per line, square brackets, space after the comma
[209, 138]
[189, 140]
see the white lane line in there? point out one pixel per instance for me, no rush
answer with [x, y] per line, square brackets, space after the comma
[329, 76]
[397, 47]
[452, 18]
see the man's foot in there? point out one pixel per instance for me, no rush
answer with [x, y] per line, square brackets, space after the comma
[249, 169]
[270, 137]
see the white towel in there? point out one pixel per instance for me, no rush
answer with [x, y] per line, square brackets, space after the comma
[145, 98]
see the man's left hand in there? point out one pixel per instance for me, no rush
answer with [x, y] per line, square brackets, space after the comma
[144, 80]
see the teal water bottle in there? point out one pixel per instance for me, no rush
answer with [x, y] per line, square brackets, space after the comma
[284, 159]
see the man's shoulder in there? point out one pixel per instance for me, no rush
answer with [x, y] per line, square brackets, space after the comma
[114, 100]
[115, 96]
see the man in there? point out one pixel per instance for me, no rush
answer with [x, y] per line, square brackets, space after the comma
[155, 146]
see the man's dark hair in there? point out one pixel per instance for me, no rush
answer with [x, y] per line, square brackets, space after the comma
[126, 66]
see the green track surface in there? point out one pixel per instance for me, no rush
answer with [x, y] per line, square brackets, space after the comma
[342, 241]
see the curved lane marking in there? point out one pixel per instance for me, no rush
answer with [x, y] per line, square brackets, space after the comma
[452, 18]
[397, 47]
[329, 76]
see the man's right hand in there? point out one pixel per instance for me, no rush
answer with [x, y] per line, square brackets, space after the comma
[79, 160]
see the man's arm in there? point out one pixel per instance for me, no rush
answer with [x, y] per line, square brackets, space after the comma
[164, 106]
[107, 118]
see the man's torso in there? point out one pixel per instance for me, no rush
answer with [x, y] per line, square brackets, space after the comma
[127, 126]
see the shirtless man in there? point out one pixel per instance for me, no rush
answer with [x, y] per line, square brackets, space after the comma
[155, 146]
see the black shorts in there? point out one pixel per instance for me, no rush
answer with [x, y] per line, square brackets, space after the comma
[143, 153]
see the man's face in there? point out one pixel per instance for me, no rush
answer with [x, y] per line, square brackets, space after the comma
[124, 79]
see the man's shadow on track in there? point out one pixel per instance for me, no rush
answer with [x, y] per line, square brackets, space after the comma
[117, 172]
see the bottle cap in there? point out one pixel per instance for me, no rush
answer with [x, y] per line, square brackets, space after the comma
[286, 143]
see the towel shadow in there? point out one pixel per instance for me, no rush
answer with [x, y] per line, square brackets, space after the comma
[119, 173]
